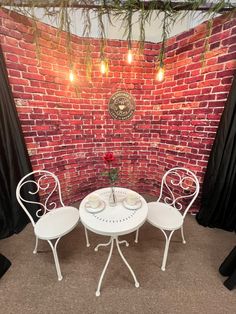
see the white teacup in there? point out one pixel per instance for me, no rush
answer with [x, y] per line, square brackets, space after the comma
[94, 201]
[131, 199]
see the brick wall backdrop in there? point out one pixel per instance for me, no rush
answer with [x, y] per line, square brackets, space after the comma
[174, 123]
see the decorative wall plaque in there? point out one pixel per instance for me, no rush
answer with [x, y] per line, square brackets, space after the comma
[121, 106]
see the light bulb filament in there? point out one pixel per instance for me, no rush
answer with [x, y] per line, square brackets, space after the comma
[129, 56]
[71, 76]
[160, 74]
[103, 67]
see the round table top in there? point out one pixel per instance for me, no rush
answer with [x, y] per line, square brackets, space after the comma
[117, 220]
[57, 223]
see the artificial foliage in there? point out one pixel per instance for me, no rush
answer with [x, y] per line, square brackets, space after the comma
[169, 11]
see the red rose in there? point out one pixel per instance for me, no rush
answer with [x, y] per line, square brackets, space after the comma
[109, 157]
[111, 173]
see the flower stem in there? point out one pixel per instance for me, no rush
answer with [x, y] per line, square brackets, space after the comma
[113, 194]
[109, 171]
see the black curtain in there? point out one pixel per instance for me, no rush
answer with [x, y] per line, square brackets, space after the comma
[14, 160]
[218, 205]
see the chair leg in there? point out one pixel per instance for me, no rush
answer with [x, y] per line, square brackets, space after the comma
[163, 266]
[86, 236]
[36, 245]
[136, 236]
[182, 234]
[54, 251]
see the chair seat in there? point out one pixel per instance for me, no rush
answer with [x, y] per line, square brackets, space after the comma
[164, 216]
[56, 223]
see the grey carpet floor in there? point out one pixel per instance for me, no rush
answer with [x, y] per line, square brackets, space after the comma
[190, 284]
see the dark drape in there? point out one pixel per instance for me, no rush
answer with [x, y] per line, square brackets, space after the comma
[4, 264]
[14, 160]
[218, 206]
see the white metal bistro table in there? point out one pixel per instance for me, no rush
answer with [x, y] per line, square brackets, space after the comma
[113, 221]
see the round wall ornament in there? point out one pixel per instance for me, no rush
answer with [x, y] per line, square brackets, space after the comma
[121, 105]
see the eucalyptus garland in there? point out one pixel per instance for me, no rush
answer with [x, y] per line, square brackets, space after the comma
[171, 11]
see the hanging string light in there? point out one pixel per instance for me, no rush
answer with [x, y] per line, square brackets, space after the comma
[101, 27]
[160, 76]
[130, 55]
[129, 37]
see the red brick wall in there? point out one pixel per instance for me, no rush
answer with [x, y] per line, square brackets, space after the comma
[174, 123]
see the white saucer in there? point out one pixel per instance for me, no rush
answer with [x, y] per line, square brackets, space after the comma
[95, 210]
[135, 206]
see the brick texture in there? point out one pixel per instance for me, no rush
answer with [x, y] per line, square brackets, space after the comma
[68, 132]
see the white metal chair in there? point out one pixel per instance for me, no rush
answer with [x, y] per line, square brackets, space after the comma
[179, 189]
[49, 221]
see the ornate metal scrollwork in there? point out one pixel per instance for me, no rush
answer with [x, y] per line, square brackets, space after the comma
[178, 183]
[45, 184]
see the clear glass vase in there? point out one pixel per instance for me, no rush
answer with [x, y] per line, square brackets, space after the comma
[112, 197]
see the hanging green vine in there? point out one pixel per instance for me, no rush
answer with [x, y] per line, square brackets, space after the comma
[60, 11]
[206, 44]
[142, 22]
[86, 32]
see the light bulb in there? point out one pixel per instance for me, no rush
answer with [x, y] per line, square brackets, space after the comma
[71, 76]
[160, 74]
[129, 56]
[103, 67]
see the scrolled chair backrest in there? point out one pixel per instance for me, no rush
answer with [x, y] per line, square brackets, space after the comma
[41, 189]
[179, 188]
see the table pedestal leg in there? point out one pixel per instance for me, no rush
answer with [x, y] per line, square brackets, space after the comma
[111, 241]
[103, 244]
[123, 241]
[126, 263]
[104, 269]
